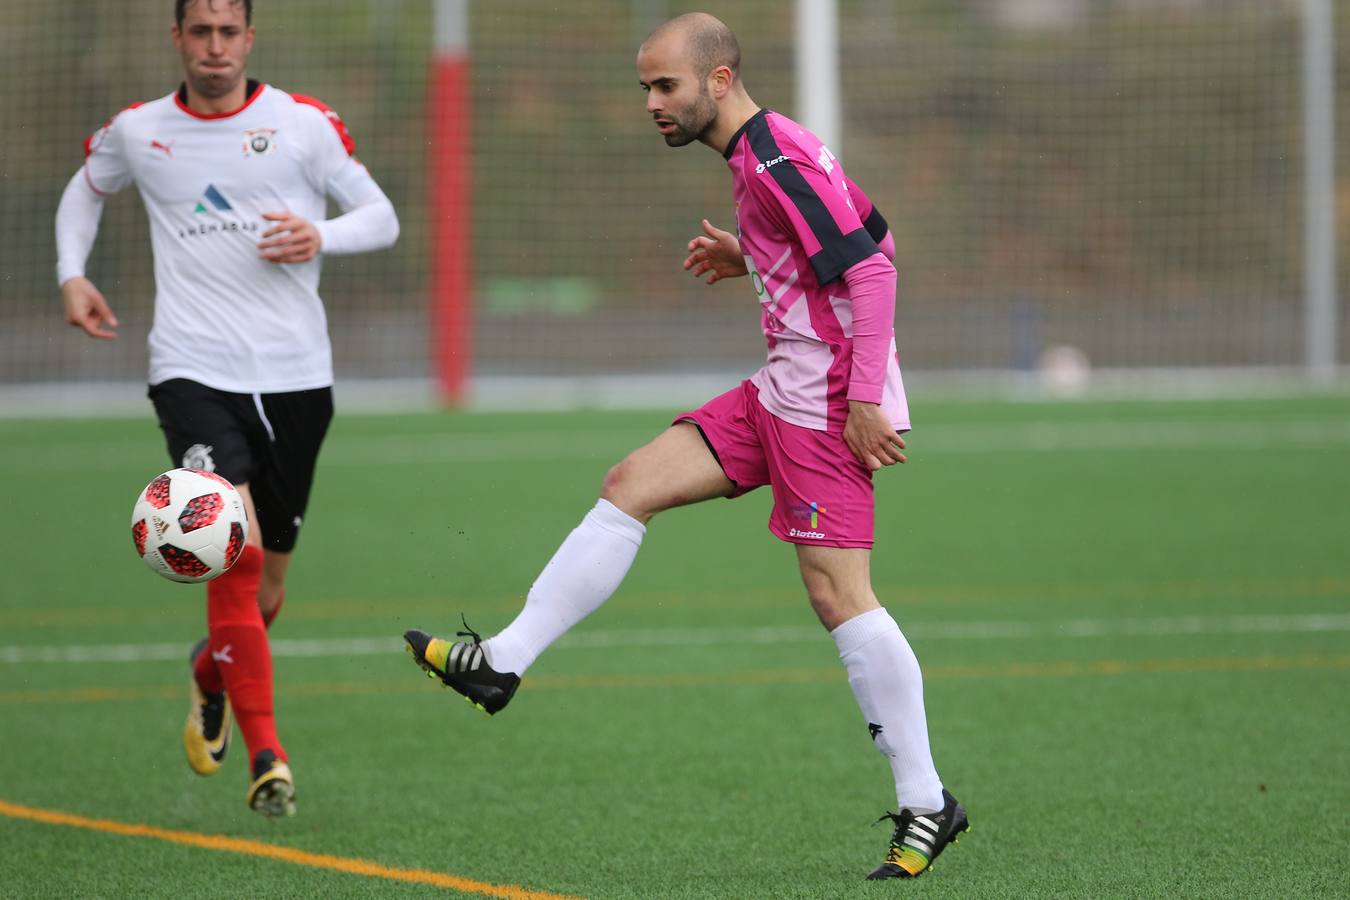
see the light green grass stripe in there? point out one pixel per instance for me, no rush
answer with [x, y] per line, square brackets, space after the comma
[662, 681]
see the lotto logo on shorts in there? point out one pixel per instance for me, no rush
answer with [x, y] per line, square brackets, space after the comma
[818, 535]
[811, 512]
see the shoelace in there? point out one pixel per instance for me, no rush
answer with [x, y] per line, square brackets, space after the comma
[902, 822]
[469, 632]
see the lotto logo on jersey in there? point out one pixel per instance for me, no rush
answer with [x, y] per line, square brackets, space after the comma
[260, 141]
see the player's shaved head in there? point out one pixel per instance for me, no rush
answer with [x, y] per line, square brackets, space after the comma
[180, 8]
[708, 42]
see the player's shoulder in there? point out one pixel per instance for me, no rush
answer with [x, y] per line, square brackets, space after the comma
[131, 116]
[313, 110]
[791, 138]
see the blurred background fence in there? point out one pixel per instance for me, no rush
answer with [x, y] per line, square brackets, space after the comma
[1123, 176]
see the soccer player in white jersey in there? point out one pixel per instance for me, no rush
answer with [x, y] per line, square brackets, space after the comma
[235, 175]
[814, 423]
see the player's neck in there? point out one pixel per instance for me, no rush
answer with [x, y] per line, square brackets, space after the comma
[735, 112]
[213, 106]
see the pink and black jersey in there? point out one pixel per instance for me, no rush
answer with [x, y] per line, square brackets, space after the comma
[802, 225]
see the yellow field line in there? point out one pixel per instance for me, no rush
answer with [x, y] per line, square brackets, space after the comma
[283, 854]
[1181, 665]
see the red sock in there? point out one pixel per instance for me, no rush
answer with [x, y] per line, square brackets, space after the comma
[204, 667]
[238, 643]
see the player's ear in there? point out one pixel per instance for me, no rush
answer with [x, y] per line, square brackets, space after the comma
[722, 79]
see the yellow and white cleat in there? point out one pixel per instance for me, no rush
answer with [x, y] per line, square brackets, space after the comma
[272, 793]
[206, 734]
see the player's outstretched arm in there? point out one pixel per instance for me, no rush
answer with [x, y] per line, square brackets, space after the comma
[86, 308]
[716, 252]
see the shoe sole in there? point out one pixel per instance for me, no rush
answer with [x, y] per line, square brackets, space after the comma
[273, 798]
[432, 672]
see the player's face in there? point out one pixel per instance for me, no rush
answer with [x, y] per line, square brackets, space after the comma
[677, 99]
[215, 41]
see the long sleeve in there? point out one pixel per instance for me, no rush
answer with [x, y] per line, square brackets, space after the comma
[77, 219]
[371, 226]
[871, 287]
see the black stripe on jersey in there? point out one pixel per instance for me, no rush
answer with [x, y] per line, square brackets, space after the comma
[838, 251]
[876, 226]
[731, 144]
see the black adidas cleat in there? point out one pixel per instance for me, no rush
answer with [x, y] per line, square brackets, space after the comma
[206, 734]
[462, 666]
[919, 839]
[272, 793]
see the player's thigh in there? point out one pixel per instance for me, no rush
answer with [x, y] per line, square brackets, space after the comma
[675, 469]
[296, 423]
[207, 429]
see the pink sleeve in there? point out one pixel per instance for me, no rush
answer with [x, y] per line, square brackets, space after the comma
[871, 288]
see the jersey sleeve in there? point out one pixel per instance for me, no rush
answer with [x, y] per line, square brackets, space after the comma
[336, 170]
[105, 160]
[818, 210]
[871, 217]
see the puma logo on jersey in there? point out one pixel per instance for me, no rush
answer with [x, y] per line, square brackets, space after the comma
[167, 148]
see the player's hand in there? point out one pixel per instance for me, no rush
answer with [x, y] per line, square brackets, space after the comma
[293, 239]
[86, 308]
[716, 252]
[870, 436]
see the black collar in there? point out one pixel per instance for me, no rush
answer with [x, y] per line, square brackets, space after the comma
[250, 88]
[731, 144]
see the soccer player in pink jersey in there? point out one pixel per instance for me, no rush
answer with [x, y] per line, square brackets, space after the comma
[813, 424]
[235, 176]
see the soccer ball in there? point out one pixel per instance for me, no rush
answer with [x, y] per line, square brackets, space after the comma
[189, 525]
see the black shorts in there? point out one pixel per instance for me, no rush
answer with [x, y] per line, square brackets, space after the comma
[268, 441]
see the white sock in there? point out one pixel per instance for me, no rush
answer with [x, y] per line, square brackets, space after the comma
[582, 575]
[888, 685]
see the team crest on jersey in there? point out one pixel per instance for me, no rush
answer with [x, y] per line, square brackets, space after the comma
[198, 456]
[260, 141]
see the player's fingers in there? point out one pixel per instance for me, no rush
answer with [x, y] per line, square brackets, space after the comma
[276, 216]
[104, 311]
[712, 230]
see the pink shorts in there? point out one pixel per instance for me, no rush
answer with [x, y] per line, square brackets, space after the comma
[821, 493]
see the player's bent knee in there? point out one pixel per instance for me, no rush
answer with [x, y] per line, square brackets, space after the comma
[623, 487]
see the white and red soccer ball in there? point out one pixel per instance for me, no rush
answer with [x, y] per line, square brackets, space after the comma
[189, 525]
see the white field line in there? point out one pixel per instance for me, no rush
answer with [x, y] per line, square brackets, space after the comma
[1171, 626]
[611, 444]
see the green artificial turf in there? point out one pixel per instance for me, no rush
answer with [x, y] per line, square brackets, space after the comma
[1133, 620]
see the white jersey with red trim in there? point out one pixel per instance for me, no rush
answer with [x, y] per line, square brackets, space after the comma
[224, 316]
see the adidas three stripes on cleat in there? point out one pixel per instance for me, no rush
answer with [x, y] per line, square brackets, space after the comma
[463, 667]
[918, 839]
